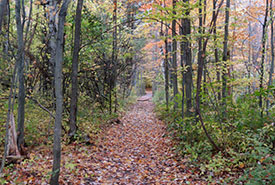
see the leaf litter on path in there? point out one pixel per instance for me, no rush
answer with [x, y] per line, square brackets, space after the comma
[133, 152]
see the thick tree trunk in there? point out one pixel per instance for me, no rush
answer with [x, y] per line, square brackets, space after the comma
[174, 59]
[20, 63]
[225, 57]
[58, 93]
[74, 96]
[263, 58]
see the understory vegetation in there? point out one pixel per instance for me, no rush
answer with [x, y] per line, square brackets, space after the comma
[247, 140]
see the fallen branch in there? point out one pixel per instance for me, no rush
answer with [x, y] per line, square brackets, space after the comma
[41, 106]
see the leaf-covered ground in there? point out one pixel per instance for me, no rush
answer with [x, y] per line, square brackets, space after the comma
[136, 151]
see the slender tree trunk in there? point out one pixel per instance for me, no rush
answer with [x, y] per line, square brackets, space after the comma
[271, 72]
[187, 57]
[166, 69]
[263, 58]
[174, 55]
[74, 96]
[216, 49]
[203, 31]
[10, 103]
[182, 57]
[201, 59]
[58, 93]
[114, 53]
[21, 94]
[225, 57]
[249, 55]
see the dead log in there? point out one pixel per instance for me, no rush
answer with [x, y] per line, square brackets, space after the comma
[13, 151]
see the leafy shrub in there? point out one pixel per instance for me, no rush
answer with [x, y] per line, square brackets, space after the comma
[247, 139]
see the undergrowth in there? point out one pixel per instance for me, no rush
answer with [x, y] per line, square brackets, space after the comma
[247, 140]
[39, 123]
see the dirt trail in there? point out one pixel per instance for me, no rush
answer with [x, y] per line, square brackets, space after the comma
[138, 152]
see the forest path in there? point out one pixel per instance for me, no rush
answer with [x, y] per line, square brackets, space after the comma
[138, 152]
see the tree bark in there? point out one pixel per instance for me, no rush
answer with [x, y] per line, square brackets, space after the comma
[114, 52]
[74, 96]
[201, 60]
[58, 93]
[187, 58]
[166, 69]
[20, 62]
[263, 58]
[174, 55]
[271, 72]
[216, 49]
[225, 57]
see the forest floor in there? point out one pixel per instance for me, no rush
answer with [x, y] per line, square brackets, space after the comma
[136, 151]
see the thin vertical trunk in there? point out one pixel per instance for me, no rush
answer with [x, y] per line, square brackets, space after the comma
[174, 55]
[20, 62]
[249, 55]
[271, 72]
[187, 58]
[112, 76]
[114, 53]
[74, 96]
[58, 93]
[225, 57]
[10, 102]
[216, 49]
[203, 31]
[182, 55]
[263, 58]
[201, 59]
[166, 69]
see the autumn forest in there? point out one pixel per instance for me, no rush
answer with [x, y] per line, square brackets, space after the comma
[137, 92]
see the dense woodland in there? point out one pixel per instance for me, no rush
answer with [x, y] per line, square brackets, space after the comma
[76, 77]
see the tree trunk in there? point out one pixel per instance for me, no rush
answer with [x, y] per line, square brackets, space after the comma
[225, 57]
[20, 63]
[249, 54]
[10, 109]
[166, 69]
[58, 93]
[114, 53]
[201, 59]
[187, 58]
[216, 49]
[74, 96]
[174, 55]
[271, 72]
[263, 58]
